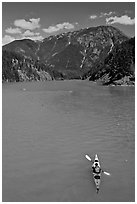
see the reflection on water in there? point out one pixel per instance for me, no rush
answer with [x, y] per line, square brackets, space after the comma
[48, 129]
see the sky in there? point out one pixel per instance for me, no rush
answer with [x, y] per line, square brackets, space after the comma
[38, 20]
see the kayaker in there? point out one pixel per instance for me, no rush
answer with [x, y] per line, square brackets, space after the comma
[96, 169]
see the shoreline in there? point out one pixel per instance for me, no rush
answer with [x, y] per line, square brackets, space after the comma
[72, 80]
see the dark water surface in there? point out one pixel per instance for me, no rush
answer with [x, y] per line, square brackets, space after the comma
[48, 127]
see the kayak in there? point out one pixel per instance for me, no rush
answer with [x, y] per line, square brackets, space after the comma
[97, 176]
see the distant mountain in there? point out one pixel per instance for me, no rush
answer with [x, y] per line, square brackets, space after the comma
[73, 55]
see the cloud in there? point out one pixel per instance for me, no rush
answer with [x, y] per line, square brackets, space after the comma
[30, 33]
[13, 30]
[32, 24]
[107, 14]
[93, 16]
[35, 38]
[7, 39]
[58, 27]
[126, 20]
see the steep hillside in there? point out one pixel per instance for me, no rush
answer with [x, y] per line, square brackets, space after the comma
[25, 47]
[72, 55]
[119, 66]
[16, 67]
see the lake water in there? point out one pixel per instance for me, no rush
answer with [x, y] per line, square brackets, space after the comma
[48, 127]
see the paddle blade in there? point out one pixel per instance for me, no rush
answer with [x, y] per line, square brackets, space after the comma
[107, 173]
[88, 158]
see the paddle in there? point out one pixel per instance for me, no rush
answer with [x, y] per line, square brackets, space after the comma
[108, 174]
[88, 158]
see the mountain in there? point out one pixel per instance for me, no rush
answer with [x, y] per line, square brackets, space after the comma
[73, 55]
[119, 66]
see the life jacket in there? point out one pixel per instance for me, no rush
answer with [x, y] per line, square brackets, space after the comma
[97, 169]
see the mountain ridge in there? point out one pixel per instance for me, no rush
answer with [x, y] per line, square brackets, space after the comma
[71, 55]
